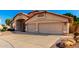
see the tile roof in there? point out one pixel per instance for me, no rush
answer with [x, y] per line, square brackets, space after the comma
[33, 13]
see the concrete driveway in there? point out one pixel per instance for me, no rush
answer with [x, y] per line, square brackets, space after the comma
[25, 40]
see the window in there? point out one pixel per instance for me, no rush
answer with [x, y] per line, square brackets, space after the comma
[40, 15]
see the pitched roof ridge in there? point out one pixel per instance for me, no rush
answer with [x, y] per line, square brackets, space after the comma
[60, 15]
[20, 13]
[34, 12]
[51, 13]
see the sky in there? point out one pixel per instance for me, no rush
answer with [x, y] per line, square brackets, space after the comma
[4, 14]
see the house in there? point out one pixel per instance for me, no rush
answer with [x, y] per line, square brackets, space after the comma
[42, 22]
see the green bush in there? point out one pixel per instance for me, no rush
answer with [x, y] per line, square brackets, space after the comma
[4, 29]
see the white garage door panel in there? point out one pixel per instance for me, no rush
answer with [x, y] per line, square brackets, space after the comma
[31, 27]
[51, 28]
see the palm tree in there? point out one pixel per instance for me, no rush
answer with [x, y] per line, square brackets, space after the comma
[8, 21]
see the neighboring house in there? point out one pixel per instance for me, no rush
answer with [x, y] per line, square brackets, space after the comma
[42, 22]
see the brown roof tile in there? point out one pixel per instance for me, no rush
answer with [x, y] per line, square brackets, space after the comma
[19, 14]
[33, 13]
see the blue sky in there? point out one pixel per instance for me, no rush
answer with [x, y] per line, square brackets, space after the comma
[4, 14]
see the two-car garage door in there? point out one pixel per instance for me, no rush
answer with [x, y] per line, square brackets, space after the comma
[49, 28]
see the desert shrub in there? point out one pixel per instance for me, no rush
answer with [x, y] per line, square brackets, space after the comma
[68, 43]
[4, 29]
[76, 33]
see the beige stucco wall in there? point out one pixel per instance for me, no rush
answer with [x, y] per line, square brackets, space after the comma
[49, 18]
[17, 18]
[64, 28]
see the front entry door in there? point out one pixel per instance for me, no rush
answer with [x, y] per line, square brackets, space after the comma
[21, 25]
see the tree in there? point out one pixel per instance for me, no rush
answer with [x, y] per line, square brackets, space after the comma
[76, 24]
[75, 18]
[8, 22]
[71, 15]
